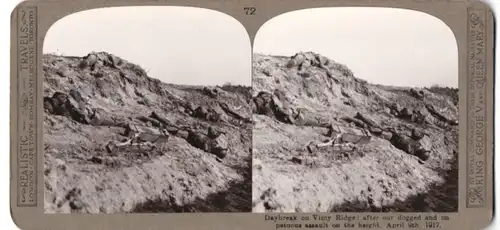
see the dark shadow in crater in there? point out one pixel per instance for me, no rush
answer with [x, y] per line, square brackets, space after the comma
[238, 198]
[440, 198]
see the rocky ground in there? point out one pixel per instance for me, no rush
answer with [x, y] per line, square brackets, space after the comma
[389, 173]
[91, 101]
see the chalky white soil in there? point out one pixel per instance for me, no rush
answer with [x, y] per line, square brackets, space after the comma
[378, 177]
[80, 176]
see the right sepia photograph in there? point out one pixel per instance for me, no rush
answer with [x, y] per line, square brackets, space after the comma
[355, 110]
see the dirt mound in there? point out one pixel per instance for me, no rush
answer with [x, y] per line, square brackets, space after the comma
[408, 155]
[117, 140]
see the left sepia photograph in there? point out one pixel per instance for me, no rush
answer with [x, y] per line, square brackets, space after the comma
[147, 110]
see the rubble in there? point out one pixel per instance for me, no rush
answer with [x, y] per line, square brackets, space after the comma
[60, 104]
[345, 135]
[273, 105]
[419, 94]
[440, 116]
[115, 127]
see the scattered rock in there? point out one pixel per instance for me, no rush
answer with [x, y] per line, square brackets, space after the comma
[150, 120]
[76, 204]
[376, 131]
[440, 116]
[189, 107]
[367, 120]
[213, 133]
[312, 147]
[96, 160]
[305, 74]
[416, 134]
[356, 122]
[422, 154]
[207, 114]
[419, 94]
[297, 160]
[145, 101]
[219, 146]
[345, 94]
[183, 134]
[405, 113]
[210, 92]
[408, 145]
[231, 112]
[386, 135]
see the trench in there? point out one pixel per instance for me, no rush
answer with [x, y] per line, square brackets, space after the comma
[237, 198]
[440, 197]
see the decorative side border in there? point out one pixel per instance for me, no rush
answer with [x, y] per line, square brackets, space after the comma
[27, 74]
[476, 108]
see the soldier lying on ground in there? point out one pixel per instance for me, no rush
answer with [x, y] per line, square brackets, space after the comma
[189, 108]
[140, 136]
[399, 140]
[276, 105]
[61, 104]
[367, 120]
[342, 140]
[214, 141]
[207, 114]
[213, 93]
[73, 106]
[100, 117]
[417, 134]
[261, 104]
[303, 117]
[408, 114]
[233, 113]
[282, 108]
[440, 116]
[408, 145]
[273, 105]
[420, 94]
[355, 121]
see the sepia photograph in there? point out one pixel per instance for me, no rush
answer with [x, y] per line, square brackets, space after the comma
[147, 110]
[355, 111]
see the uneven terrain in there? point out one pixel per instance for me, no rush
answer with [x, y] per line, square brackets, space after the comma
[383, 175]
[105, 93]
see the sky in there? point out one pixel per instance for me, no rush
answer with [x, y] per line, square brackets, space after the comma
[184, 45]
[381, 45]
[178, 45]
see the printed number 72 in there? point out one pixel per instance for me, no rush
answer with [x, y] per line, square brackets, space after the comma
[250, 10]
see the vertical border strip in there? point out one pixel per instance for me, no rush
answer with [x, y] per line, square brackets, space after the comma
[17, 107]
[27, 97]
[476, 166]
